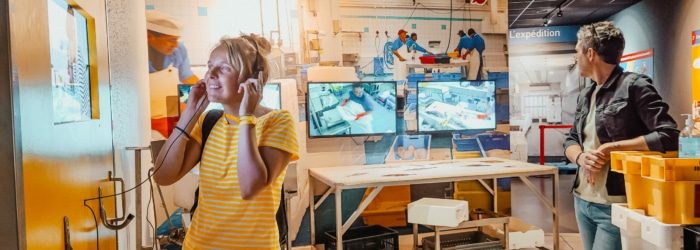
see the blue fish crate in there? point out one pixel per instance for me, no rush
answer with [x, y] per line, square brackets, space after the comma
[464, 141]
[409, 143]
[413, 80]
[493, 141]
[446, 76]
[501, 79]
[410, 107]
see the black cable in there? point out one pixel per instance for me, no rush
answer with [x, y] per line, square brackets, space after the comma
[409, 17]
[437, 12]
[150, 198]
[449, 40]
[154, 172]
[97, 226]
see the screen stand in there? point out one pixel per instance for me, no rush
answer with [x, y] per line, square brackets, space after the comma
[361, 142]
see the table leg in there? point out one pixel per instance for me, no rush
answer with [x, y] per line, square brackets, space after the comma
[415, 236]
[505, 236]
[437, 238]
[338, 219]
[555, 199]
[312, 218]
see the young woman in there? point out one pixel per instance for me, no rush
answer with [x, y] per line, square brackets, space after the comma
[243, 162]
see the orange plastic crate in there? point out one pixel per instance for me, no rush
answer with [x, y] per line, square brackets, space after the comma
[672, 169]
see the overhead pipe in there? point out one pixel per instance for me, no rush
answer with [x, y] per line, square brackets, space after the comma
[521, 13]
[262, 25]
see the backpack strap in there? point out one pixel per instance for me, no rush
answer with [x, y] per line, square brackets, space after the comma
[207, 125]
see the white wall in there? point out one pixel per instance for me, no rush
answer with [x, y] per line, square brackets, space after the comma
[206, 21]
[665, 27]
[128, 63]
[429, 18]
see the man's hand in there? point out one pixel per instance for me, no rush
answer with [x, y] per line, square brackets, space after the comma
[360, 115]
[609, 147]
[590, 177]
[592, 160]
[402, 59]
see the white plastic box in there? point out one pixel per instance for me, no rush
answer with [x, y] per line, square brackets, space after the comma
[520, 234]
[661, 236]
[630, 223]
[438, 212]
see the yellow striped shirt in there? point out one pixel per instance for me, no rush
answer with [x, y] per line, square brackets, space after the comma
[223, 219]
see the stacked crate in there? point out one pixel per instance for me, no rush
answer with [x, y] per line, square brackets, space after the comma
[410, 111]
[467, 145]
[664, 189]
[388, 208]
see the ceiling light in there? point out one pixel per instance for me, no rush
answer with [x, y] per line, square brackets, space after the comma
[547, 21]
[560, 14]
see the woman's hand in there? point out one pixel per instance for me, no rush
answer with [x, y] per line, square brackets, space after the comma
[198, 94]
[252, 94]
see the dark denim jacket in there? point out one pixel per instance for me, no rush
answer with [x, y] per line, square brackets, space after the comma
[627, 106]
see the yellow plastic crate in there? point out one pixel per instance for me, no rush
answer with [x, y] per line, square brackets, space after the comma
[675, 202]
[618, 160]
[388, 208]
[630, 164]
[473, 185]
[465, 154]
[484, 200]
[391, 215]
[672, 169]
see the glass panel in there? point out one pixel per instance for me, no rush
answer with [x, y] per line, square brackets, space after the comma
[70, 63]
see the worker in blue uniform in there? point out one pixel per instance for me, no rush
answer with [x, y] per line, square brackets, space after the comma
[362, 124]
[400, 55]
[413, 46]
[475, 48]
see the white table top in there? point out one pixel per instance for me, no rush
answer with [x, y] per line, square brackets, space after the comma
[417, 172]
[453, 63]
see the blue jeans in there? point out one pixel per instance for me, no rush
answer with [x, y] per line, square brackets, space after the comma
[595, 226]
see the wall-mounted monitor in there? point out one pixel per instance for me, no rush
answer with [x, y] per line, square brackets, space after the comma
[456, 105]
[335, 109]
[272, 97]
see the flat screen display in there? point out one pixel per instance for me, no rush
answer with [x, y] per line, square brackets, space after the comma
[456, 106]
[272, 98]
[351, 108]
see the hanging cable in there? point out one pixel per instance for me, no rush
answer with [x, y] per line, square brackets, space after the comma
[97, 226]
[409, 17]
[154, 172]
[449, 39]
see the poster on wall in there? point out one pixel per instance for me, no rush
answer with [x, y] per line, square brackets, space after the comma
[696, 64]
[641, 62]
[70, 65]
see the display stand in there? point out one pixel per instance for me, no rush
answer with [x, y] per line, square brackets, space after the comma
[394, 174]
[465, 224]
[462, 64]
